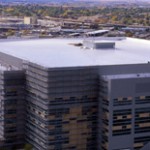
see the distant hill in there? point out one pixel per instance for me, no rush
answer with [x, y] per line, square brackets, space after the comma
[33, 1]
[68, 1]
[30, 1]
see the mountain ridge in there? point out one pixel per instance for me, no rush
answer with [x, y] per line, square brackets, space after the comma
[36, 1]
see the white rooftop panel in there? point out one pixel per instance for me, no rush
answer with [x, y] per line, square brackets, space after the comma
[62, 53]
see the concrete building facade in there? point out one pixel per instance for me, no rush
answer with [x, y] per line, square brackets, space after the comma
[66, 97]
[30, 20]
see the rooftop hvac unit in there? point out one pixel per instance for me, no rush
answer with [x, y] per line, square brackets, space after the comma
[98, 45]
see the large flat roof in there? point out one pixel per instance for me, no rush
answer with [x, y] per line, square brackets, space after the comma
[52, 53]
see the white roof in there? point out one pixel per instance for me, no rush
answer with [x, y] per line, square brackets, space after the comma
[62, 53]
[97, 32]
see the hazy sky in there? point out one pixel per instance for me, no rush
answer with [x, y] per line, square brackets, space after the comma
[115, 0]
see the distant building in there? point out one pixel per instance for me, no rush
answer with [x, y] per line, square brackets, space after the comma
[134, 29]
[97, 33]
[30, 20]
[66, 94]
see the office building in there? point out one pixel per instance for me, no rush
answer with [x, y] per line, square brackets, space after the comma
[65, 94]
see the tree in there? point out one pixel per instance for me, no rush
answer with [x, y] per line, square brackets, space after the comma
[28, 147]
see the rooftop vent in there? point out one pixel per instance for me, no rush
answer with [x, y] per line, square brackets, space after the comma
[98, 45]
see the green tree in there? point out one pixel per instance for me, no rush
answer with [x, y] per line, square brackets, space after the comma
[28, 147]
